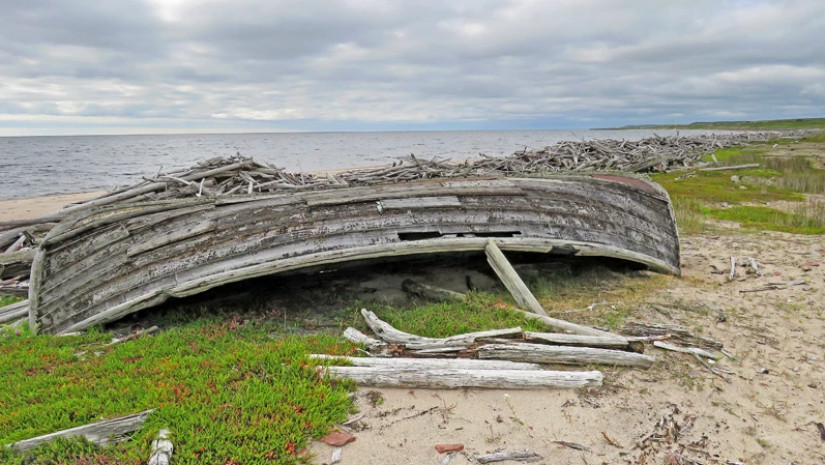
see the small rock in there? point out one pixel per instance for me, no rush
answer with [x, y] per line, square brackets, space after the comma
[443, 448]
[764, 371]
[734, 179]
[338, 438]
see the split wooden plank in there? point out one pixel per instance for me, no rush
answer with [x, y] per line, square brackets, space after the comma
[400, 363]
[511, 279]
[98, 433]
[451, 379]
[539, 353]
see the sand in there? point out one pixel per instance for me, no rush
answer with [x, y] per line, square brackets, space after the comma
[766, 413]
[23, 209]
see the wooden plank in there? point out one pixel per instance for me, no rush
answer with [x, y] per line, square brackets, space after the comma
[538, 353]
[172, 237]
[98, 433]
[420, 202]
[453, 379]
[511, 279]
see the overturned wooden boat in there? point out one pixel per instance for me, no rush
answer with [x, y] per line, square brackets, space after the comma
[101, 264]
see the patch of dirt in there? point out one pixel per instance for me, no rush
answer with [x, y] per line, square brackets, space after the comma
[677, 412]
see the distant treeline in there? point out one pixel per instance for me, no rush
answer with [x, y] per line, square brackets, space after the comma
[778, 124]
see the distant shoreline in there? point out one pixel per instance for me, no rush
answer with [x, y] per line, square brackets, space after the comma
[766, 125]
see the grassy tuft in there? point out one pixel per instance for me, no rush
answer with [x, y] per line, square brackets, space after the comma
[806, 220]
[477, 313]
[230, 392]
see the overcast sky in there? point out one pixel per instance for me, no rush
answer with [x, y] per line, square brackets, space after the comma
[126, 66]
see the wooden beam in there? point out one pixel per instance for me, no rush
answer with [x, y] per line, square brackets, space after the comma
[511, 279]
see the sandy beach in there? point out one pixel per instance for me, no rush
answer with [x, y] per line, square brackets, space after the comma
[23, 209]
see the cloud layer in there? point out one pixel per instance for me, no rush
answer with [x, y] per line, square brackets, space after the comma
[87, 66]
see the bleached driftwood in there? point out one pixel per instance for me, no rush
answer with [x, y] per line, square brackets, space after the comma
[636, 328]
[512, 281]
[573, 328]
[539, 353]
[162, 449]
[576, 340]
[522, 456]
[353, 335]
[430, 363]
[732, 269]
[445, 379]
[98, 433]
[427, 292]
[411, 341]
[14, 312]
[745, 166]
[685, 350]
[15, 263]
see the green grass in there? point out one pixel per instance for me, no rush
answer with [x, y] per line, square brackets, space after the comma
[231, 392]
[782, 176]
[773, 219]
[478, 312]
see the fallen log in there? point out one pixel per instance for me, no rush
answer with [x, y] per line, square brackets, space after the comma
[511, 279]
[429, 363]
[450, 379]
[539, 353]
[100, 433]
[432, 293]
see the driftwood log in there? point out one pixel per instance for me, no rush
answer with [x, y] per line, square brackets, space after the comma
[100, 433]
[519, 456]
[512, 281]
[14, 312]
[539, 353]
[610, 342]
[402, 364]
[455, 378]
[680, 333]
[15, 264]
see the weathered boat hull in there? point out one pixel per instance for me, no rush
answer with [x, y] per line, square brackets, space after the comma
[98, 266]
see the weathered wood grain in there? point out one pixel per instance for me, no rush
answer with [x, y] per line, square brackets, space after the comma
[401, 363]
[454, 378]
[511, 279]
[538, 353]
[98, 433]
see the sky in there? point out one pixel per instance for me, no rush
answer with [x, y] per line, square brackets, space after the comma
[187, 66]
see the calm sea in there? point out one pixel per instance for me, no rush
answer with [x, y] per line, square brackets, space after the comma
[36, 166]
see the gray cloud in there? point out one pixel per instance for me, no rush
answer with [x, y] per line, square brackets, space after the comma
[206, 64]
